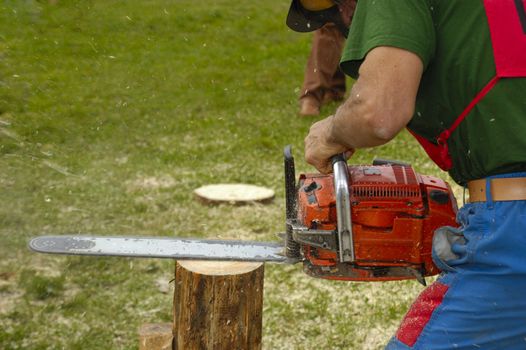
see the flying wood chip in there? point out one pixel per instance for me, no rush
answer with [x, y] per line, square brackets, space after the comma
[234, 193]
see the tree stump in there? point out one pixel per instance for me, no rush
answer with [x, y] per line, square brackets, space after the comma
[218, 305]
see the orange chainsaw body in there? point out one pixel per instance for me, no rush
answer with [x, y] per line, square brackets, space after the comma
[394, 213]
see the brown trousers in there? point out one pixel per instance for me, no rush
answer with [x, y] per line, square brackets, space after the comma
[323, 77]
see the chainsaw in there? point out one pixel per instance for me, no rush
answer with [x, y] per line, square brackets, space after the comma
[360, 223]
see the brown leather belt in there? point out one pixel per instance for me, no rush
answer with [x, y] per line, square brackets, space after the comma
[502, 189]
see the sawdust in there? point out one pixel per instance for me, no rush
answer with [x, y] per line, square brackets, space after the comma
[9, 295]
[375, 336]
[151, 183]
[163, 284]
[45, 265]
[355, 315]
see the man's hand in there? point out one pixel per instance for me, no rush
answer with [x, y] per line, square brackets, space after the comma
[319, 148]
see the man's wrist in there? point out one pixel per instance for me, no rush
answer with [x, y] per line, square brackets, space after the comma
[337, 133]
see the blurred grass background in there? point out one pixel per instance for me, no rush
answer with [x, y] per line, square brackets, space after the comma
[111, 114]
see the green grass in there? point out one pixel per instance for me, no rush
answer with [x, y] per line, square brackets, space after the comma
[111, 114]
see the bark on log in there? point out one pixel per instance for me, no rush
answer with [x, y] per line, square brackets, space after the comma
[218, 305]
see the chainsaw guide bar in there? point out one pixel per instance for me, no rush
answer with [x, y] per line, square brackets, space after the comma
[161, 247]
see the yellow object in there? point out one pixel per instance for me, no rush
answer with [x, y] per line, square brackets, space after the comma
[316, 5]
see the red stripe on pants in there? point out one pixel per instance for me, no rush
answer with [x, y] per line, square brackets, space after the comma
[420, 313]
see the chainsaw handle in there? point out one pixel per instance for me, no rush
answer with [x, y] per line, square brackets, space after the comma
[338, 158]
[343, 208]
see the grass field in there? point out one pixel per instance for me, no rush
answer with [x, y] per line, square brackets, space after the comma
[111, 114]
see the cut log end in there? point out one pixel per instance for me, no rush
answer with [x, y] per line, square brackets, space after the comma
[219, 268]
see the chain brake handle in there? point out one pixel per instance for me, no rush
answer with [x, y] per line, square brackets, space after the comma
[343, 208]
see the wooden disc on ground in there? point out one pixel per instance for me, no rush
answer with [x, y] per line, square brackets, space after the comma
[234, 193]
[218, 305]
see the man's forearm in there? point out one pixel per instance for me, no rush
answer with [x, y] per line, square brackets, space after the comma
[381, 103]
[361, 121]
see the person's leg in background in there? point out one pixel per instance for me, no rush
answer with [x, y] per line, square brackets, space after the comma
[323, 82]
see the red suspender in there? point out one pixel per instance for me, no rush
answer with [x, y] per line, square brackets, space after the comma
[507, 24]
[439, 152]
[442, 138]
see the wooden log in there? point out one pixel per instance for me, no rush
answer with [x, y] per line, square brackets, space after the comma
[155, 336]
[218, 305]
[233, 194]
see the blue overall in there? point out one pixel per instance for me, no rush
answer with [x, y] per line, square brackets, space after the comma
[479, 301]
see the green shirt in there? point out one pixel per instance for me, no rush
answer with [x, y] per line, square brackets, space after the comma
[452, 39]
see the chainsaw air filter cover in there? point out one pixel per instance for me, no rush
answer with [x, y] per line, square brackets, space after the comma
[394, 213]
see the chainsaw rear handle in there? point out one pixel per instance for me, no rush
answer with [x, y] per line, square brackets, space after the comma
[343, 208]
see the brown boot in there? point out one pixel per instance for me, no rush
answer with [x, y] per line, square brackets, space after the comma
[309, 106]
[332, 96]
